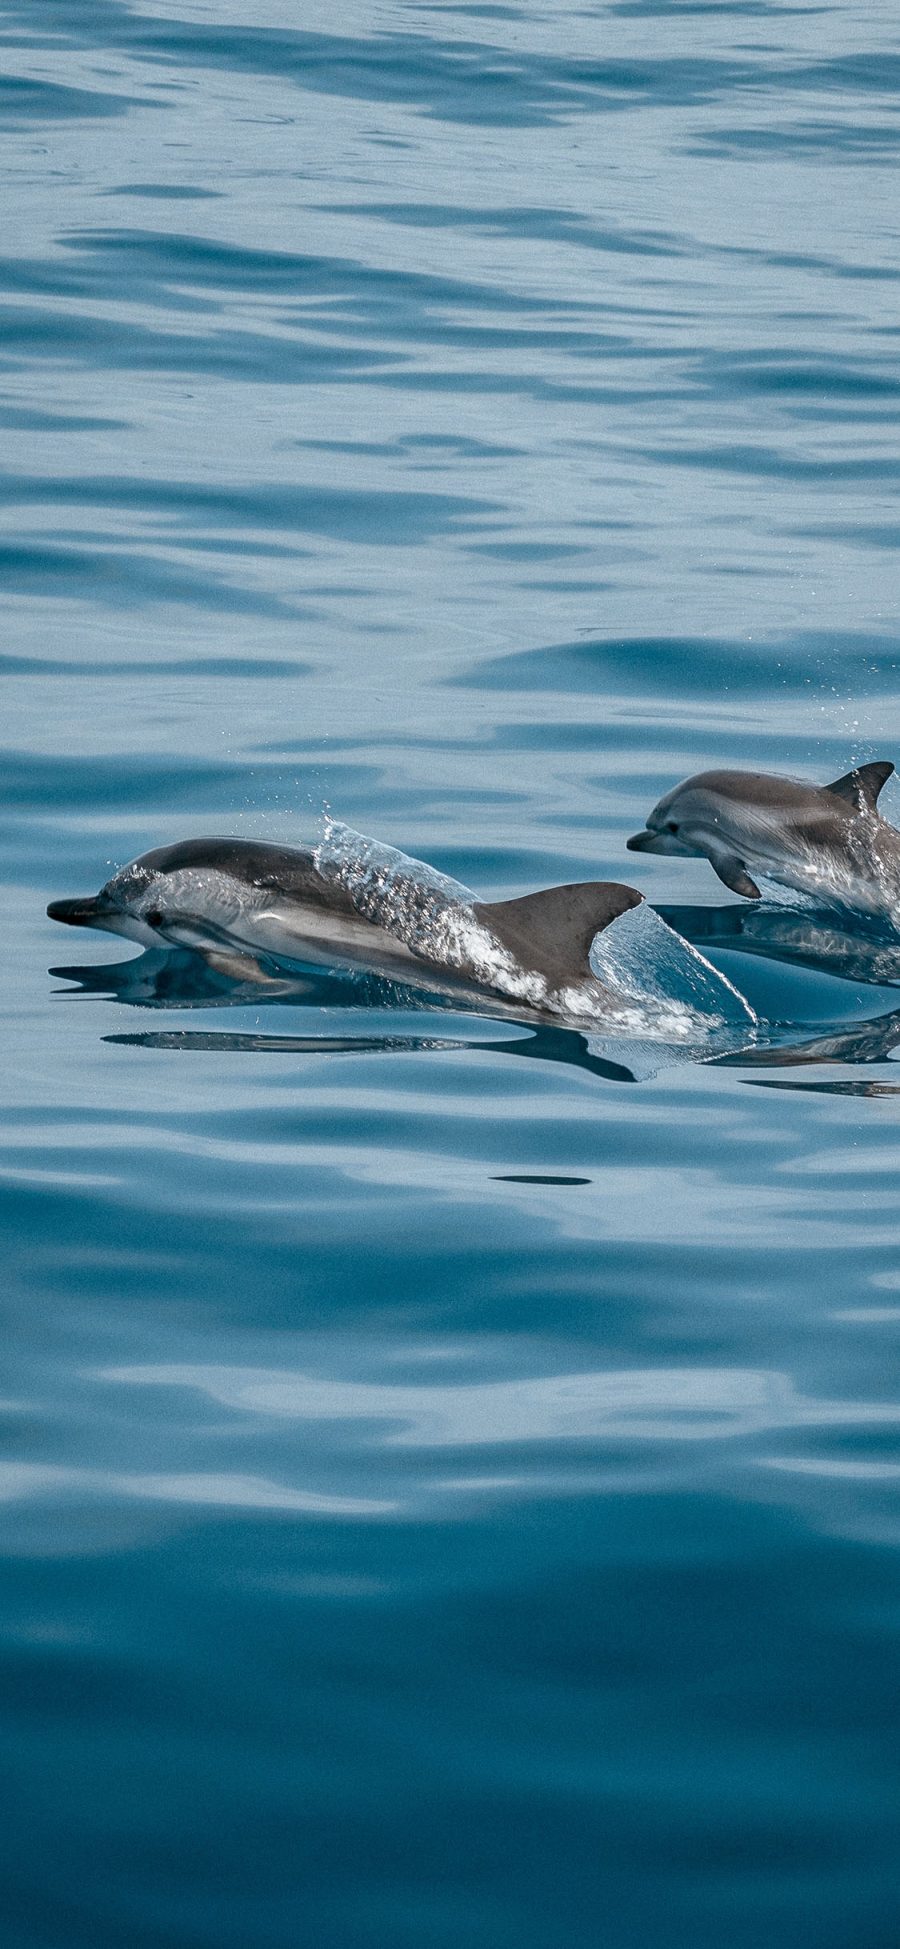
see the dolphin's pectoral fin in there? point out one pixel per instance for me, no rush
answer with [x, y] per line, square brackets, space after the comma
[862, 786]
[181, 930]
[202, 934]
[222, 956]
[241, 967]
[551, 932]
[733, 874]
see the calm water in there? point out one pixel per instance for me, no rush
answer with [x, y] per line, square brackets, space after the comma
[450, 1490]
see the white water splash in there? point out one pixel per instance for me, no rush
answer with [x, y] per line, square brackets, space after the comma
[430, 913]
[645, 961]
[662, 988]
[374, 873]
[858, 873]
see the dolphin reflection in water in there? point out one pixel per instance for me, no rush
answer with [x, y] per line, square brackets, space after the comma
[849, 948]
[183, 980]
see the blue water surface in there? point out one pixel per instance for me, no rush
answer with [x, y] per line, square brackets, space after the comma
[449, 1487]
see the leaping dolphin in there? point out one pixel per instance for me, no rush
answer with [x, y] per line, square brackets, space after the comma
[829, 841]
[240, 897]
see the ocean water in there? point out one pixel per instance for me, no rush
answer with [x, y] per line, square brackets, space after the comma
[450, 1469]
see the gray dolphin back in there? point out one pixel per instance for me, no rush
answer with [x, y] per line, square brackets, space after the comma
[551, 932]
[289, 871]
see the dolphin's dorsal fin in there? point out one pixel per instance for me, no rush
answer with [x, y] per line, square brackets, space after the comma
[862, 785]
[550, 933]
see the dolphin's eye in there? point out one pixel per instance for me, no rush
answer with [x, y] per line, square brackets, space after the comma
[671, 825]
[154, 918]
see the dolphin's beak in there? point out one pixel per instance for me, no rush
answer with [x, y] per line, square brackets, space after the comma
[660, 842]
[83, 912]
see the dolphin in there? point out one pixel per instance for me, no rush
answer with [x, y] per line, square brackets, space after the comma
[236, 899]
[828, 841]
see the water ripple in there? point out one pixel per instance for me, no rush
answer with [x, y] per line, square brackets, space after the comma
[656, 1404]
[448, 1492]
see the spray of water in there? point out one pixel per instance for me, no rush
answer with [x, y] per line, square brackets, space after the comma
[430, 913]
[643, 960]
[660, 986]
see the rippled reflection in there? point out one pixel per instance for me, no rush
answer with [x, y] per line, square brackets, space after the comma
[21, 1481]
[658, 1404]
